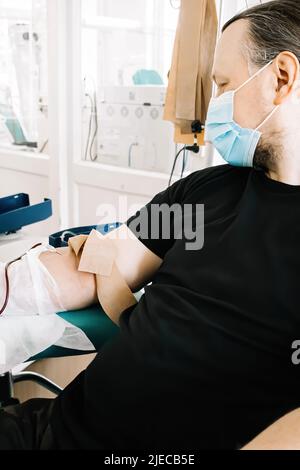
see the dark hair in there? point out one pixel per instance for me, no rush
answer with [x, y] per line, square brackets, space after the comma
[274, 27]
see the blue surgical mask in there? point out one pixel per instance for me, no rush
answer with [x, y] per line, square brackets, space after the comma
[235, 144]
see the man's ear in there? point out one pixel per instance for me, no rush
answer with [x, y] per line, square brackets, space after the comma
[287, 69]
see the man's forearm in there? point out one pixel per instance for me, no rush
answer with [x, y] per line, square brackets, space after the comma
[77, 289]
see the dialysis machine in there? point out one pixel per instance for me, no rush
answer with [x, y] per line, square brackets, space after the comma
[131, 130]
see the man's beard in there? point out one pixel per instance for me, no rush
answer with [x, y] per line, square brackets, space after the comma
[267, 156]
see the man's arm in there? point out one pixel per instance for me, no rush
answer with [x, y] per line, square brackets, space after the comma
[282, 435]
[135, 262]
[137, 258]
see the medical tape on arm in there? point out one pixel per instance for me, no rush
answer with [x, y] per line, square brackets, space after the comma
[97, 255]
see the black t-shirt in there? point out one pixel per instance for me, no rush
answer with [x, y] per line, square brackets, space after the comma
[205, 359]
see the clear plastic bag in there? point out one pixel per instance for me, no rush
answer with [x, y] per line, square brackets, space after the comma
[30, 323]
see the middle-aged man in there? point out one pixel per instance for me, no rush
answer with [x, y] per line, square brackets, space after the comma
[204, 361]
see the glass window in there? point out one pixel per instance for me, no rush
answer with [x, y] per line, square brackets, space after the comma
[127, 50]
[23, 74]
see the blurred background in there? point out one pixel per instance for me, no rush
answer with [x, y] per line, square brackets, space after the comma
[82, 91]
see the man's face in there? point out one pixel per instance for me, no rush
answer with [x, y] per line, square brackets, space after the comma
[255, 101]
[231, 69]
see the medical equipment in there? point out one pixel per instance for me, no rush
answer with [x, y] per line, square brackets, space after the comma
[61, 239]
[10, 120]
[197, 128]
[147, 77]
[234, 143]
[12, 125]
[132, 132]
[26, 47]
[16, 212]
[92, 129]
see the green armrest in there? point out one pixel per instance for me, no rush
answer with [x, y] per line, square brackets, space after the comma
[98, 327]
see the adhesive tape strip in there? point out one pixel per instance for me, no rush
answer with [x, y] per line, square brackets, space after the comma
[114, 294]
[98, 257]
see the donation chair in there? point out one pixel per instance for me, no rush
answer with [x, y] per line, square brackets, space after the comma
[98, 327]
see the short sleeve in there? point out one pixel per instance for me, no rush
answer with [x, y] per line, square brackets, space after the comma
[153, 225]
